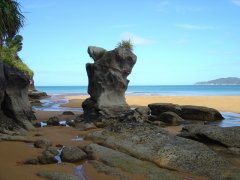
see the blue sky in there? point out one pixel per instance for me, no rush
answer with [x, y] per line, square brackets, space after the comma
[177, 42]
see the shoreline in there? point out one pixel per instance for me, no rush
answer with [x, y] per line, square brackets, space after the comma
[221, 103]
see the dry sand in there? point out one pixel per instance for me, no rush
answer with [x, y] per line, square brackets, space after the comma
[221, 103]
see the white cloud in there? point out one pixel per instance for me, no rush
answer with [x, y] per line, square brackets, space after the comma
[136, 40]
[237, 2]
[194, 27]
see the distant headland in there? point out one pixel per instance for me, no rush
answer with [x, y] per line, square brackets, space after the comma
[221, 81]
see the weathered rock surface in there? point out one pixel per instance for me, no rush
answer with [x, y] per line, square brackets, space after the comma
[171, 118]
[103, 168]
[72, 154]
[200, 113]
[15, 109]
[227, 136]
[108, 82]
[42, 143]
[154, 144]
[128, 163]
[57, 176]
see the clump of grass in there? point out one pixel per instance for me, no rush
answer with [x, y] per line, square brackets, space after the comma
[125, 44]
[10, 58]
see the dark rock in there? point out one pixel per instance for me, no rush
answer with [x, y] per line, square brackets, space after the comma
[68, 113]
[107, 84]
[158, 108]
[53, 121]
[171, 118]
[159, 123]
[37, 95]
[151, 143]
[96, 52]
[42, 143]
[47, 158]
[15, 109]
[52, 150]
[57, 176]
[227, 136]
[70, 123]
[37, 124]
[72, 154]
[200, 113]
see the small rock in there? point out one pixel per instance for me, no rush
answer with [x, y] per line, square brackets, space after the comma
[171, 118]
[53, 150]
[57, 176]
[85, 126]
[54, 121]
[70, 123]
[42, 143]
[68, 113]
[37, 124]
[72, 154]
[47, 158]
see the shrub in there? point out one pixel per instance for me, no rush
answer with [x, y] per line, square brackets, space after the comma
[125, 44]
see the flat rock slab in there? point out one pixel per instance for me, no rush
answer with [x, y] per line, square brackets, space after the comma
[129, 164]
[227, 136]
[57, 176]
[154, 144]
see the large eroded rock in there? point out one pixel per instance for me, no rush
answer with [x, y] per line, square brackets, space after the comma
[108, 82]
[154, 144]
[15, 109]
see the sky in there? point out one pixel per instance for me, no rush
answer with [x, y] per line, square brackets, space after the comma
[177, 42]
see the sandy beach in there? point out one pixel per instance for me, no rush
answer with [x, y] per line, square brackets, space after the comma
[221, 103]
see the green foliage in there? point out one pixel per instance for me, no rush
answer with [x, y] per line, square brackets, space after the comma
[11, 19]
[125, 44]
[9, 55]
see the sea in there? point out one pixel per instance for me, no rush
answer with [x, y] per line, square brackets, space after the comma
[161, 90]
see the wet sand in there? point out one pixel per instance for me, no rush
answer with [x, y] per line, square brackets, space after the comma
[221, 103]
[13, 154]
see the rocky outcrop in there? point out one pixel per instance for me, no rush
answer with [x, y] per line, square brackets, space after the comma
[227, 136]
[15, 110]
[154, 144]
[108, 82]
[188, 112]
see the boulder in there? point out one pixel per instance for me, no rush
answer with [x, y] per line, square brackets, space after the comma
[171, 118]
[158, 108]
[53, 121]
[200, 113]
[143, 110]
[154, 144]
[107, 84]
[37, 94]
[42, 143]
[72, 154]
[226, 136]
[96, 52]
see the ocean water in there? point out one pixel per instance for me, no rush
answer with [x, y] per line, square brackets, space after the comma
[163, 90]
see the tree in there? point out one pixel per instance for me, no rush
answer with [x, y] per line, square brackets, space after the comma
[11, 19]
